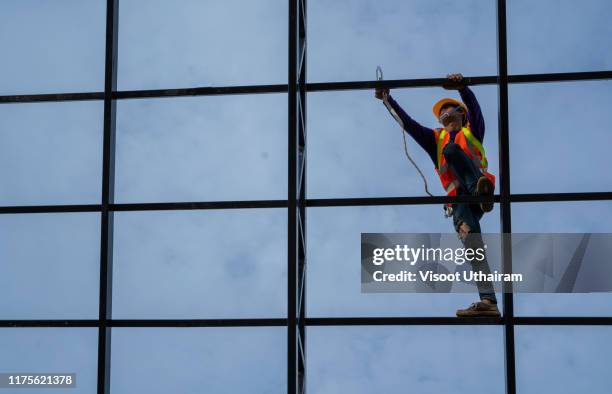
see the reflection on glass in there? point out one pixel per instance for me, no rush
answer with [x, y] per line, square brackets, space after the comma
[51, 153]
[202, 149]
[410, 39]
[558, 36]
[190, 43]
[49, 266]
[212, 360]
[52, 47]
[427, 359]
[200, 264]
[554, 359]
[558, 143]
[51, 350]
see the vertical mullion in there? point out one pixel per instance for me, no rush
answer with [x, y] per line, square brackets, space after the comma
[505, 217]
[108, 180]
[292, 190]
[301, 142]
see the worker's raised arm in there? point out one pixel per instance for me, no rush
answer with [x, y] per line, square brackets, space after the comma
[424, 136]
[474, 113]
[457, 82]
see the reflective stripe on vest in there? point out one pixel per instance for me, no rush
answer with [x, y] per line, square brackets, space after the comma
[452, 186]
[472, 142]
[477, 162]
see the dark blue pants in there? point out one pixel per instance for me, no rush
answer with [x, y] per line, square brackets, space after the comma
[468, 174]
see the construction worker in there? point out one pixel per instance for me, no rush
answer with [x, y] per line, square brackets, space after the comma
[460, 161]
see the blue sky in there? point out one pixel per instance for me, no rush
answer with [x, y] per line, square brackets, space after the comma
[232, 264]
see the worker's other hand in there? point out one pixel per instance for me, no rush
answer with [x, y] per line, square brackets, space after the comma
[381, 93]
[454, 82]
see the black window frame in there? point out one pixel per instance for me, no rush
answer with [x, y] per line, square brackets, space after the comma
[296, 202]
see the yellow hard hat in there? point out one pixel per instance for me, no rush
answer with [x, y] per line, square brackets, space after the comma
[447, 100]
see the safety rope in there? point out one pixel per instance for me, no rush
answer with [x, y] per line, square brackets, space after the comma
[379, 77]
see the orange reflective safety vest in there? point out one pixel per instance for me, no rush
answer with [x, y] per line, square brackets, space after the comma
[471, 146]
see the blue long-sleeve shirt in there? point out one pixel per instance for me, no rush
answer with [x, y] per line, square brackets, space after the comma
[425, 137]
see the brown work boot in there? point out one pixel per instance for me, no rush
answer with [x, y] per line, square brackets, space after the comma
[485, 187]
[478, 309]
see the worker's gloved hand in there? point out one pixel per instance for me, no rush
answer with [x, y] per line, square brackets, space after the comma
[454, 82]
[381, 93]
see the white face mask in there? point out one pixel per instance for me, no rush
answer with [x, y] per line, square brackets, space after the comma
[448, 114]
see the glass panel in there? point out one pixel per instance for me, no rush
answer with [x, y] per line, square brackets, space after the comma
[334, 271]
[427, 359]
[563, 360]
[356, 148]
[410, 39]
[559, 36]
[193, 360]
[190, 43]
[557, 141]
[50, 266]
[203, 148]
[52, 46]
[560, 217]
[51, 153]
[200, 264]
[51, 350]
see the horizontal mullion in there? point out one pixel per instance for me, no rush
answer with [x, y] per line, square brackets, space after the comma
[322, 321]
[147, 206]
[199, 205]
[148, 323]
[50, 208]
[310, 87]
[144, 94]
[402, 321]
[197, 322]
[394, 83]
[535, 197]
[444, 321]
[366, 201]
[49, 323]
[38, 98]
[478, 80]
[316, 202]
[560, 77]
[564, 321]
[417, 200]
[200, 91]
